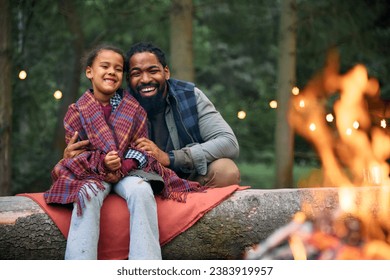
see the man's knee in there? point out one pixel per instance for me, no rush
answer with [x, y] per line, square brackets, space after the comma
[221, 173]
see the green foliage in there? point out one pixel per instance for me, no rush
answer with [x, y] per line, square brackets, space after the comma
[262, 175]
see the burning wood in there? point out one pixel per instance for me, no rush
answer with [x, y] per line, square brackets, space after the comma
[323, 238]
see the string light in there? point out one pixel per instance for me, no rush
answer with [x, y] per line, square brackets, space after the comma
[355, 124]
[22, 75]
[273, 104]
[312, 127]
[241, 115]
[57, 94]
[302, 103]
[295, 90]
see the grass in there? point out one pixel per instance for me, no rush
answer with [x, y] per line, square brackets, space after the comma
[262, 176]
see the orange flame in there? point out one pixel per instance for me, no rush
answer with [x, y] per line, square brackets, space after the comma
[353, 152]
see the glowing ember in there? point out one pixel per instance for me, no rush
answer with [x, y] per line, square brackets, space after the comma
[383, 123]
[295, 90]
[329, 117]
[335, 235]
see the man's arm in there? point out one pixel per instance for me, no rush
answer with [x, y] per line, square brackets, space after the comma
[219, 139]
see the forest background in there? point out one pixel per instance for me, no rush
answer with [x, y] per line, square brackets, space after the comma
[232, 53]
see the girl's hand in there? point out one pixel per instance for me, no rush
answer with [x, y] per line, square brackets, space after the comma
[112, 161]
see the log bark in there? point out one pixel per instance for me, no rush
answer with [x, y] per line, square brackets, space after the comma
[244, 219]
[27, 233]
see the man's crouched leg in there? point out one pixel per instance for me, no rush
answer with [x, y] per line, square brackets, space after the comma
[221, 173]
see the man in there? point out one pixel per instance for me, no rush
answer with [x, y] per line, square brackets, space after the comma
[186, 132]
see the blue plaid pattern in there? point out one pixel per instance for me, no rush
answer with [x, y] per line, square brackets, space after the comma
[185, 112]
[138, 156]
[115, 100]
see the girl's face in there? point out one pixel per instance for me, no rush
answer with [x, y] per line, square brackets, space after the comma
[106, 74]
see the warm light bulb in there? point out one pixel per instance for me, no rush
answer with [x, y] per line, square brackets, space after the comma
[22, 75]
[57, 94]
[302, 103]
[273, 104]
[312, 127]
[241, 115]
[295, 90]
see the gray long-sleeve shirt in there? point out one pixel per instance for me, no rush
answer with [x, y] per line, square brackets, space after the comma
[219, 139]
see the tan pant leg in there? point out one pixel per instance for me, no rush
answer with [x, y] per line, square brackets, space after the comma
[221, 173]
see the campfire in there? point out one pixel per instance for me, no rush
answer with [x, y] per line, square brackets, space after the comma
[344, 118]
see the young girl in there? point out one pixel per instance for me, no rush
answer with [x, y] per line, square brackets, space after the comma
[111, 119]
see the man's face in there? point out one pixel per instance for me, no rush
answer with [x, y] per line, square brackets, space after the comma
[147, 76]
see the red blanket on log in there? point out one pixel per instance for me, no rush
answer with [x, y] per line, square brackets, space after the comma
[173, 217]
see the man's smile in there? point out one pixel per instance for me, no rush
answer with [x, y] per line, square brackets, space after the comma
[147, 91]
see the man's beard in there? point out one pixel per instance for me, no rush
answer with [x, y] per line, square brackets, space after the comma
[153, 104]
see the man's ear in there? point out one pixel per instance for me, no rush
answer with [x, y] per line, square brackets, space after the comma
[88, 72]
[167, 72]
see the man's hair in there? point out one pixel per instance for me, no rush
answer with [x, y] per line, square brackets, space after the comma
[145, 47]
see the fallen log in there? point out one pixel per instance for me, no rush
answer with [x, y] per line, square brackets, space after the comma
[244, 219]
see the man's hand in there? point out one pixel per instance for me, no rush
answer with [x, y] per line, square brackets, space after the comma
[150, 147]
[75, 148]
[112, 161]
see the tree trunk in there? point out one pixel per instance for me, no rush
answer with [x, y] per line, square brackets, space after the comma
[5, 98]
[70, 94]
[284, 145]
[181, 63]
[244, 219]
